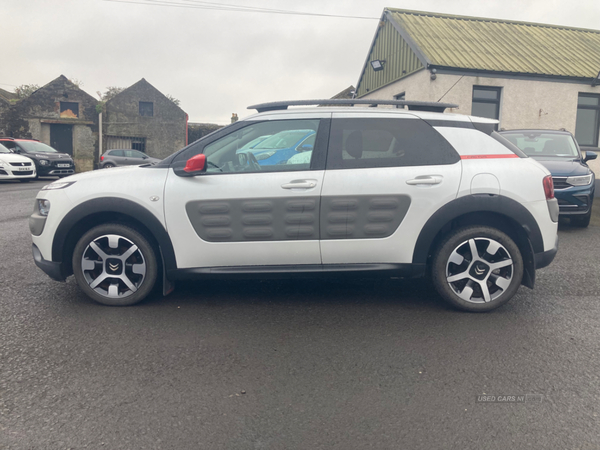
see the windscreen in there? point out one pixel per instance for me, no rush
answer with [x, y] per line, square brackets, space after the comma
[544, 145]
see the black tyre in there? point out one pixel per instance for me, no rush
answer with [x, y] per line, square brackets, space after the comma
[477, 269]
[581, 221]
[115, 265]
[108, 165]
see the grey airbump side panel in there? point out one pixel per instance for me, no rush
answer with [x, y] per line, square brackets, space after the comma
[362, 216]
[257, 219]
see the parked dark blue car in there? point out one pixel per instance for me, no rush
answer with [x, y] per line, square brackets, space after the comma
[280, 147]
[574, 181]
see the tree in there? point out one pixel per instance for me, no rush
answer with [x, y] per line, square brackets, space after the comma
[111, 91]
[25, 90]
[76, 82]
[173, 99]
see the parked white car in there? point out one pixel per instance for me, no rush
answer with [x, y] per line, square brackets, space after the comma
[383, 192]
[15, 167]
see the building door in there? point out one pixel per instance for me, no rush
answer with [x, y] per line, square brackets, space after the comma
[61, 138]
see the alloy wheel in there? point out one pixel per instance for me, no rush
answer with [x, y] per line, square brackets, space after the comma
[479, 270]
[113, 266]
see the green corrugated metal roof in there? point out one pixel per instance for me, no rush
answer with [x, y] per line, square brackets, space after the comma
[501, 45]
[400, 60]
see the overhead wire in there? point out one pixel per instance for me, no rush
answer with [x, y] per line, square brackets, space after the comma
[197, 4]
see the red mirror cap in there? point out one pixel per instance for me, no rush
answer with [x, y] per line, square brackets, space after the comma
[195, 164]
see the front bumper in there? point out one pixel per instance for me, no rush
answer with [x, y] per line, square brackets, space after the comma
[576, 200]
[544, 259]
[53, 170]
[53, 269]
[8, 172]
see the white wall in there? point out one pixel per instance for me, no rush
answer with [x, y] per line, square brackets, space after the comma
[523, 104]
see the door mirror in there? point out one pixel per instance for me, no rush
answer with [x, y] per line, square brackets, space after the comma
[196, 165]
[589, 156]
[305, 148]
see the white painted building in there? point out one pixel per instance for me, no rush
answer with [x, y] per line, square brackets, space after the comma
[525, 75]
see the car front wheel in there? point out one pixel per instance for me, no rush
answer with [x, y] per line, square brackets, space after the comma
[115, 265]
[477, 269]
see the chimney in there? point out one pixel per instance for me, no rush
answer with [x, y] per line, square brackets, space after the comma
[234, 117]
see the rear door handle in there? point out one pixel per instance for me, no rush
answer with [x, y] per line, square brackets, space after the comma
[300, 184]
[425, 179]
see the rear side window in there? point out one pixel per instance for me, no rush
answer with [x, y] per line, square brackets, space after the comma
[374, 142]
[117, 153]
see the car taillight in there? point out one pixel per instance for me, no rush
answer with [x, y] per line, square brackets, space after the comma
[548, 187]
[102, 158]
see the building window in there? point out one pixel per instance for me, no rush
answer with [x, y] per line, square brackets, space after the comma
[126, 142]
[146, 109]
[401, 96]
[588, 120]
[69, 110]
[486, 102]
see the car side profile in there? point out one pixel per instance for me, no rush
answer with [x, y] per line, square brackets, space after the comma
[383, 192]
[48, 161]
[574, 181]
[124, 157]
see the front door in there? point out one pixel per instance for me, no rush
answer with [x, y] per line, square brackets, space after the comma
[242, 213]
[61, 138]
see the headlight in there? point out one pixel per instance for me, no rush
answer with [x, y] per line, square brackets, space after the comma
[57, 185]
[582, 180]
[43, 206]
[44, 162]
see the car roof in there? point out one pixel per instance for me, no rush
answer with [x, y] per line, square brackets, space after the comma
[535, 130]
[4, 138]
[366, 112]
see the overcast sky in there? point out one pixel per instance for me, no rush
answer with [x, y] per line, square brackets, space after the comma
[219, 62]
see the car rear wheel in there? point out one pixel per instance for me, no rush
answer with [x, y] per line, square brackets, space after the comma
[115, 265]
[108, 165]
[477, 269]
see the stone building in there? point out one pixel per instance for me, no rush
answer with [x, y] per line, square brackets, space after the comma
[526, 75]
[199, 130]
[59, 114]
[142, 118]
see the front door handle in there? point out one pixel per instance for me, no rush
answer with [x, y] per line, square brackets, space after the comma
[425, 179]
[300, 184]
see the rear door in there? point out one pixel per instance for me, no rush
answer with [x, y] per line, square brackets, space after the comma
[386, 175]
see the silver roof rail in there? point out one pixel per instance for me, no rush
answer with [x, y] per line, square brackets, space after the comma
[413, 105]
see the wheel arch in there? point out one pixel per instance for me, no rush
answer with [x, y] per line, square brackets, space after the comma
[109, 210]
[496, 211]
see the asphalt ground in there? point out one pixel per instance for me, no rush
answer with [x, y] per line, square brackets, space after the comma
[329, 364]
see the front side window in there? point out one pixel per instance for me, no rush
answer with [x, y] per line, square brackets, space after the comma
[375, 142]
[486, 102]
[272, 146]
[134, 154]
[587, 126]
